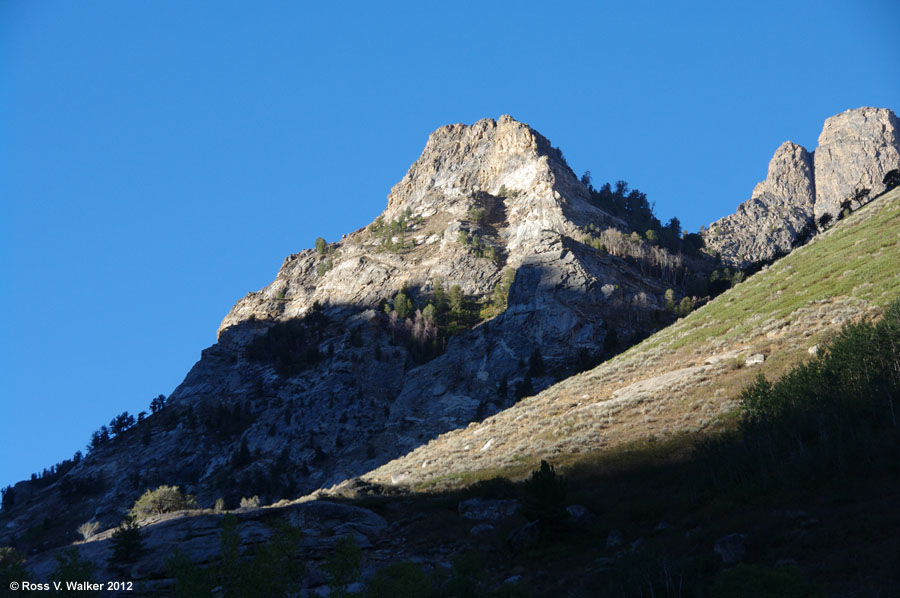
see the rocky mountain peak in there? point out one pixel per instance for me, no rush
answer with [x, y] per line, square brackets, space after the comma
[856, 149]
[459, 160]
[790, 175]
[489, 160]
[777, 214]
[499, 181]
[480, 284]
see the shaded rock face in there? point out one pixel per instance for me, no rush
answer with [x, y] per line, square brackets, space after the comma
[197, 536]
[856, 149]
[778, 213]
[239, 425]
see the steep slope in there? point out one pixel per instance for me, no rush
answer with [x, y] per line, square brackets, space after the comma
[684, 378]
[856, 149]
[688, 376]
[313, 381]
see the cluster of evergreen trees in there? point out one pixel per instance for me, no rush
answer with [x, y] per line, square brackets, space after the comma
[397, 228]
[834, 415]
[425, 329]
[632, 206]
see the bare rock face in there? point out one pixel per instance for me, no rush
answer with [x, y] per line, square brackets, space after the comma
[856, 149]
[502, 167]
[779, 212]
[480, 201]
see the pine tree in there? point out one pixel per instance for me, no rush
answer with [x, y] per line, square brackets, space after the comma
[127, 542]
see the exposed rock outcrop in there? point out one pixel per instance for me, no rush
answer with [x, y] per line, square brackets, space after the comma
[779, 212]
[357, 391]
[856, 149]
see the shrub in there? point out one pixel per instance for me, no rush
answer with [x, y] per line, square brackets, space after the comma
[250, 503]
[321, 246]
[164, 499]
[544, 495]
[649, 571]
[157, 404]
[121, 423]
[12, 568]
[685, 307]
[835, 414]
[457, 301]
[344, 566]
[477, 215]
[274, 569]
[496, 487]
[405, 580]
[324, 267]
[891, 179]
[88, 529]
[402, 305]
[8, 498]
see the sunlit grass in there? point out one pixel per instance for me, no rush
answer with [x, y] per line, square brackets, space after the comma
[859, 258]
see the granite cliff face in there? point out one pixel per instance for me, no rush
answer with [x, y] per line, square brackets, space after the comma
[779, 211]
[481, 200]
[856, 149]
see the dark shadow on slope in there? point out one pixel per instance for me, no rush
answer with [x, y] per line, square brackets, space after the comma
[802, 492]
[280, 409]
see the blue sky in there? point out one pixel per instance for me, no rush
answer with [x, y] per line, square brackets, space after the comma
[158, 160]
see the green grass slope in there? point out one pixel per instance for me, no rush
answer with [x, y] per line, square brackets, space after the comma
[688, 377]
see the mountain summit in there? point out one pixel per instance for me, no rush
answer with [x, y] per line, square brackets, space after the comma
[502, 171]
[425, 349]
[804, 190]
[492, 273]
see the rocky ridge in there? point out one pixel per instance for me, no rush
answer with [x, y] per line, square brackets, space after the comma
[239, 425]
[856, 149]
[367, 399]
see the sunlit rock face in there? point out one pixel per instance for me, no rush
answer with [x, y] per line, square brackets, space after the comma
[777, 214]
[240, 426]
[856, 149]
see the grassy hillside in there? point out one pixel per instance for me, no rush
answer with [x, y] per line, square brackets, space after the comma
[653, 443]
[858, 260]
[688, 377]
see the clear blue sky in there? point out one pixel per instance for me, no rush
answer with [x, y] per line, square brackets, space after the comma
[158, 160]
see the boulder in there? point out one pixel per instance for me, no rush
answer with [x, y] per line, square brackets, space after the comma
[481, 529]
[488, 509]
[755, 359]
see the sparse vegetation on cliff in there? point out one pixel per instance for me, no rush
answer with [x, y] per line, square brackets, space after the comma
[164, 499]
